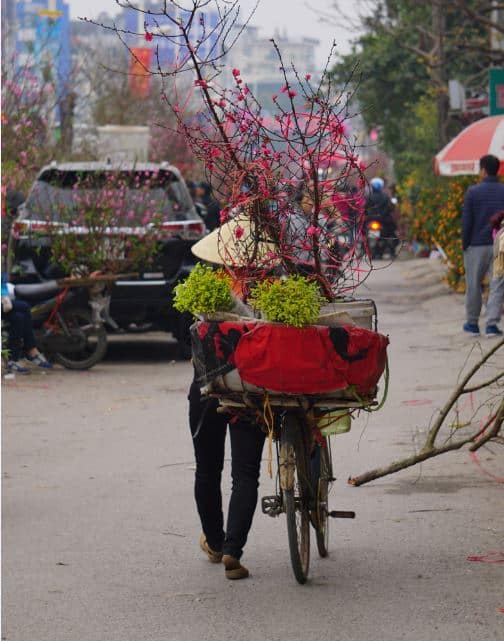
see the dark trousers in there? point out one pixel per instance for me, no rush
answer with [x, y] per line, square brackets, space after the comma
[20, 329]
[208, 429]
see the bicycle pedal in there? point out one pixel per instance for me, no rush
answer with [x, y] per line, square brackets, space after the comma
[271, 505]
[341, 514]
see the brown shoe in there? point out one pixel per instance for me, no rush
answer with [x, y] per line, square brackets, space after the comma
[234, 569]
[213, 556]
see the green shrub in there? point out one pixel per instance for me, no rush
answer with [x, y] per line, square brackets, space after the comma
[204, 291]
[294, 301]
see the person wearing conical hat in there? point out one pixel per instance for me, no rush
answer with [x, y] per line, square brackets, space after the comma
[209, 428]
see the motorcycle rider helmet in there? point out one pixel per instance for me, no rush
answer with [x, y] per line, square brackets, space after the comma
[377, 184]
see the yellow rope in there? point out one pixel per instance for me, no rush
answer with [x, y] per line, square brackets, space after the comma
[269, 422]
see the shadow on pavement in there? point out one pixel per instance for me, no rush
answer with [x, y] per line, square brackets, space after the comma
[144, 348]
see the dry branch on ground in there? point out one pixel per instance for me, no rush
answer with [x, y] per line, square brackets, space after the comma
[477, 430]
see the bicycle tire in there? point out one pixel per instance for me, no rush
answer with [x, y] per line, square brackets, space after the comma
[296, 497]
[323, 483]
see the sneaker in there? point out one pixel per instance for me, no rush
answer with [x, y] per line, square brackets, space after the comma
[233, 568]
[493, 331]
[40, 360]
[471, 328]
[17, 368]
[213, 556]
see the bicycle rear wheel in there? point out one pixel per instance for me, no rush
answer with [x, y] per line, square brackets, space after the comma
[295, 483]
[322, 485]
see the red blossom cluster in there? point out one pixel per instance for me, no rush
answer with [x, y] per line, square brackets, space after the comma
[288, 172]
[292, 172]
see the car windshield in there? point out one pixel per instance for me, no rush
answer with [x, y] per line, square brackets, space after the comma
[61, 195]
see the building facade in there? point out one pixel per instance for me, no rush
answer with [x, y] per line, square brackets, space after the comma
[42, 38]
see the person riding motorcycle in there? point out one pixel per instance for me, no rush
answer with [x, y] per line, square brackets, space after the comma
[379, 207]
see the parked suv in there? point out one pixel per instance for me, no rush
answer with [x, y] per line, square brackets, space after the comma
[139, 304]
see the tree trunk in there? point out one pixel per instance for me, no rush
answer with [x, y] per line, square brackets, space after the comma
[438, 69]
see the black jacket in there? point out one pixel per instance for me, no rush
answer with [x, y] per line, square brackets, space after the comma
[380, 207]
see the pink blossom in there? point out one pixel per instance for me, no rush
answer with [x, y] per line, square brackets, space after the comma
[236, 73]
[292, 94]
[239, 231]
[274, 97]
[285, 88]
[148, 36]
[308, 76]
[312, 231]
[245, 90]
[201, 83]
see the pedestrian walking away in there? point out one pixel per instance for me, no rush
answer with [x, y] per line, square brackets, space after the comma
[208, 429]
[481, 203]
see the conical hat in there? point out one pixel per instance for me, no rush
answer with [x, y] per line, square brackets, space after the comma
[232, 244]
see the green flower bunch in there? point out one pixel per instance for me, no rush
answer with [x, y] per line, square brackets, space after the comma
[294, 301]
[204, 291]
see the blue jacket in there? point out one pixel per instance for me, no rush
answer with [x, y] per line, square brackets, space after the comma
[481, 202]
[5, 289]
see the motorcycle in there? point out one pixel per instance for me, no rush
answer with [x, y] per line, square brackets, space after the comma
[377, 242]
[68, 322]
[374, 230]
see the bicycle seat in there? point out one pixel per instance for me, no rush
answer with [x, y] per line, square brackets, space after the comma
[37, 291]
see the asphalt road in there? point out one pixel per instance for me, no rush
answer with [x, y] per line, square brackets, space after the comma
[100, 534]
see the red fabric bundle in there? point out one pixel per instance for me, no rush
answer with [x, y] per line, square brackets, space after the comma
[310, 360]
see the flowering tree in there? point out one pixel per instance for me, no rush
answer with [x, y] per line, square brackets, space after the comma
[24, 126]
[433, 213]
[286, 174]
[108, 221]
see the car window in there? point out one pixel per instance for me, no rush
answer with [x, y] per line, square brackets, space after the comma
[58, 195]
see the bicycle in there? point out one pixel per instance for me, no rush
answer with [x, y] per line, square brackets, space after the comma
[298, 423]
[304, 480]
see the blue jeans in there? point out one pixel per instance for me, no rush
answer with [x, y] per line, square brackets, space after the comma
[20, 329]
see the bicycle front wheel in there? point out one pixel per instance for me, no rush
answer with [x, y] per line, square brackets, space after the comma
[323, 484]
[294, 476]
